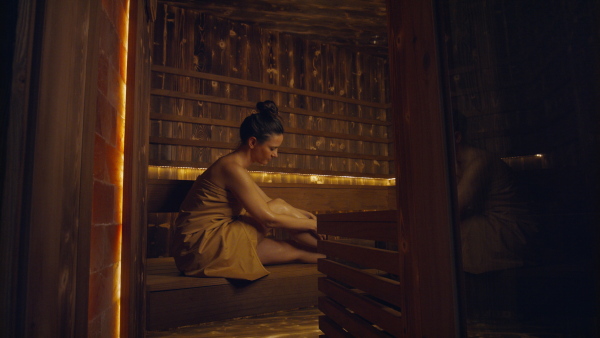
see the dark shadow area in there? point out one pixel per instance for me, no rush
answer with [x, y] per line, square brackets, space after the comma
[525, 75]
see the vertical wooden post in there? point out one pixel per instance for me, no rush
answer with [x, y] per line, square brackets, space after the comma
[135, 169]
[426, 238]
[49, 169]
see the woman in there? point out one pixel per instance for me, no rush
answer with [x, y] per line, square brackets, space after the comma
[496, 225]
[220, 231]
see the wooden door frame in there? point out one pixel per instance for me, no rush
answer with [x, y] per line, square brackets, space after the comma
[425, 191]
[47, 184]
[425, 188]
[135, 169]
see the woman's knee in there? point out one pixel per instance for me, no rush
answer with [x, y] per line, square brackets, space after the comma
[278, 205]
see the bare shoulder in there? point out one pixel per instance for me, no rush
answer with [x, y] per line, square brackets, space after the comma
[229, 173]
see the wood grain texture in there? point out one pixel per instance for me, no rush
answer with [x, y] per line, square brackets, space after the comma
[167, 195]
[356, 24]
[134, 219]
[354, 324]
[385, 317]
[426, 235]
[382, 288]
[178, 301]
[373, 258]
[323, 99]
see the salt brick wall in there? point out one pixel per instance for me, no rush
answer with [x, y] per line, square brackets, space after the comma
[103, 309]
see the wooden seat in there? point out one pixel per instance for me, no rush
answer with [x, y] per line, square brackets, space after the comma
[175, 300]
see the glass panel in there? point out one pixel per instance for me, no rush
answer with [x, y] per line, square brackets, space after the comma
[522, 76]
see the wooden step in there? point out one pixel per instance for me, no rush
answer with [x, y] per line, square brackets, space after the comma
[174, 300]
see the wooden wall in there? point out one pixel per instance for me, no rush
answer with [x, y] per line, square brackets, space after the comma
[208, 74]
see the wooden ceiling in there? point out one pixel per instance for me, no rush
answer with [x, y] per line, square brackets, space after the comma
[352, 23]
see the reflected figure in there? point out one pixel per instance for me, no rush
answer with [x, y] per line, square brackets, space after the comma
[221, 227]
[495, 222]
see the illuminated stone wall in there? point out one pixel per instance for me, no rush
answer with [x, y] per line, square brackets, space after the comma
[105, 260]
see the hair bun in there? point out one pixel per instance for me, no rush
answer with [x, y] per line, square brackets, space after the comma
[268, 107]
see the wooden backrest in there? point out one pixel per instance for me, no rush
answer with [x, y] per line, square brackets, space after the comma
[166, 196]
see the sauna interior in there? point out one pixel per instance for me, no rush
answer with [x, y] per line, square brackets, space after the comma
[114, 107]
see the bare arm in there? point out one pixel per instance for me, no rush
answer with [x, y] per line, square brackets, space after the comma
[255, 200]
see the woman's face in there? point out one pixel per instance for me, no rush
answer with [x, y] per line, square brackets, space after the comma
[263, 153]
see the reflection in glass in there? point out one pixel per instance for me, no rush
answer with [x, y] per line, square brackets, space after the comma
[523, 74]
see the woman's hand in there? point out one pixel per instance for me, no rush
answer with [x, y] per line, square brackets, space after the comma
[307, 214]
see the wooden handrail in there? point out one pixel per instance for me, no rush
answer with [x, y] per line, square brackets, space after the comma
[266, 86]
[288, 130]
[297, 151]
[251, 105]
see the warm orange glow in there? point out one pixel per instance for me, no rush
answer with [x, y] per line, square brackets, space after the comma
[181, 173]
[536, 161]
[119, 198]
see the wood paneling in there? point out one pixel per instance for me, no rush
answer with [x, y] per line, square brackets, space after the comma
[385, 260]
[377, 231]
[361, 277]
[374, 312]
[167, 195]
[331, 329]
[333, 100]
[354, 324]
[383, 288]
[358, 24]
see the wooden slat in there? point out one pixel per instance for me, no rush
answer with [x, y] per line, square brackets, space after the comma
[166, 195]
[163, 279]
[331, 329]
[283, 150]
[385, 260]
[368, 216]
[192, 164]
[174, 308]
[353, 323]
[376, 286]
[385, 318]
[252, 105]
[266, 86]
[377, 231]
[288, 130]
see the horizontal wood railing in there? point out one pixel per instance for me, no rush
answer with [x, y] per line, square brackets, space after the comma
[381, 259]
[266, 86]
[362, 294]
[165, 196]
[288, 130]
[282, 150]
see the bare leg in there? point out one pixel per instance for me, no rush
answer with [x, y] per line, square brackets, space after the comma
[303, 237]
[271, 251]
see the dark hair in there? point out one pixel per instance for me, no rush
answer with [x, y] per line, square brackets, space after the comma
[263, 124]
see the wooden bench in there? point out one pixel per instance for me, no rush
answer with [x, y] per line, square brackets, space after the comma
[174, 300]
